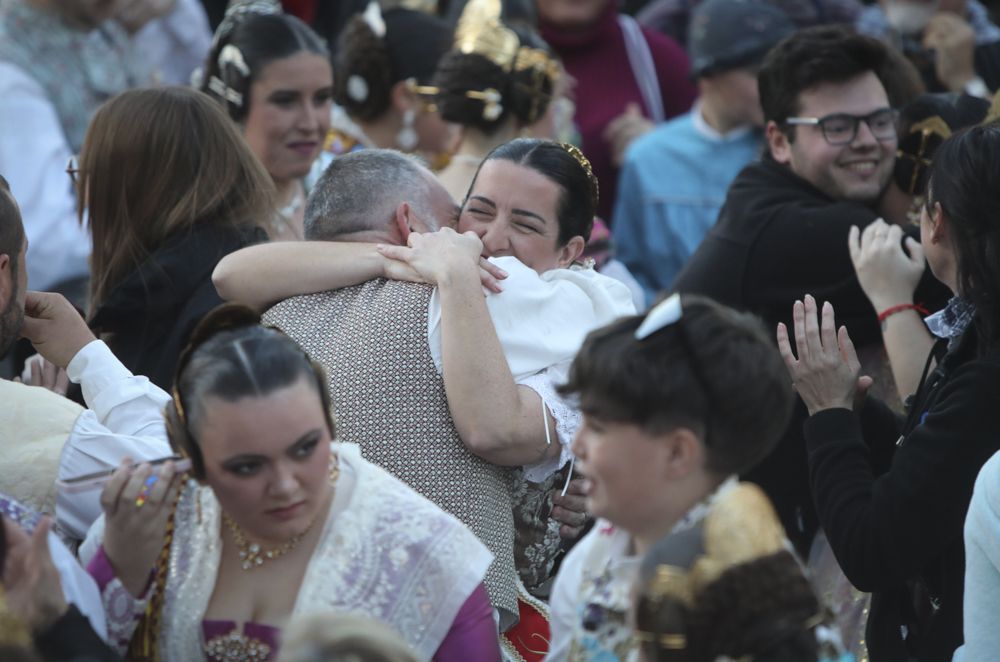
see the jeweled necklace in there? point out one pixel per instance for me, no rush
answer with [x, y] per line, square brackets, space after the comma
[252, 555]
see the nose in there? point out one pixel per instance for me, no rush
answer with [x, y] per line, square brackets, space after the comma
[496, 240]
[579, 445]
[309, 118]
[864, 137]
[284, 483]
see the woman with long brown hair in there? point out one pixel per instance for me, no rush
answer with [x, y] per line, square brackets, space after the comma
[168, 187]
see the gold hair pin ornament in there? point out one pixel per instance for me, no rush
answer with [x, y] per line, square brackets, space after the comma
[584, 162]
[492, 108]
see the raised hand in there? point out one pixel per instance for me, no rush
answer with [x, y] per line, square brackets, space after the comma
[887, 272]
[826, 372]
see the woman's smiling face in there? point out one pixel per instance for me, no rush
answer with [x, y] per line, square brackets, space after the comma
[514, 210]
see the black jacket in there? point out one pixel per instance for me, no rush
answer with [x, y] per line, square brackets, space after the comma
[777, 239]
[894, 514]
[147, 319]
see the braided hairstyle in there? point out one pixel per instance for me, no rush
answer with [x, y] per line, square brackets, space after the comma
[231, 356]
[524, 95]
[368, 65]
[241, 53]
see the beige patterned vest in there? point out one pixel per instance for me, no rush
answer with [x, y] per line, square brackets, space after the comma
[390, 400]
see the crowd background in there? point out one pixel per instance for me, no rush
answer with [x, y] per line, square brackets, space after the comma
[499, 329]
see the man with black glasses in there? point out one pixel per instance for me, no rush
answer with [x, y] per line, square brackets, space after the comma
[782, 232]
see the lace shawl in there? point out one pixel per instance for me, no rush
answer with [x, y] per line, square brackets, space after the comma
[385, 553]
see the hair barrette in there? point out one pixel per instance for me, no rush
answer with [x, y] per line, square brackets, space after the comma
[584, 162]
[663, 314]
[492, 108]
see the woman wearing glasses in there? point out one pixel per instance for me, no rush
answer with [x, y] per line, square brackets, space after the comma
[892, 493]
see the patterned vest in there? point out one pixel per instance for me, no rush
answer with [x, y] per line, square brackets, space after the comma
[77, 70]
[389, 399]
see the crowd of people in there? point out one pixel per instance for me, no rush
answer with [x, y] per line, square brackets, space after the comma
[499, 330]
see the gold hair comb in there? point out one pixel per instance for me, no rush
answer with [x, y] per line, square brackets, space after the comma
[584, 162]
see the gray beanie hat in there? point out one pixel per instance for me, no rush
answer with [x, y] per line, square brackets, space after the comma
[726, 34]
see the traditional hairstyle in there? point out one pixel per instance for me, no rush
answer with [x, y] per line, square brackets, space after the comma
[566, 166]
[810, 57]
[250, 42]
[714, 370]
[965, 181]
[727, 588]
[11, 227]
[158, 162]
[231, 356]
[474, 91]
[375, 53]
[360, 191]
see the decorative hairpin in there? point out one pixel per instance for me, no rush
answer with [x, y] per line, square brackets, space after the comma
[663, 314]
[237, 11]
[492, 108]
[373, 17]
[428, 94]
[178, 406]
[932, 126]
[584, 162]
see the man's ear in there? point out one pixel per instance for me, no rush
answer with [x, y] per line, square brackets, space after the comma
[571, 252]
[402, 222]
[778, 143]
[685, 453]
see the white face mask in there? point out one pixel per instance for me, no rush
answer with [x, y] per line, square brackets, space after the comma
[908, 17]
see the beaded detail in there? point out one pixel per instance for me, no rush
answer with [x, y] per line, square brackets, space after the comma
[235, 647]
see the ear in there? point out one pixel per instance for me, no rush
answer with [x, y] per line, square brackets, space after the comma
[401, 224]
[778, 143]
[6, 281]
[939, 224]
[401, 98]
[573, 249]
[685, 453]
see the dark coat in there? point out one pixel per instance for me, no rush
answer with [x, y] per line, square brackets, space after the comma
[892, 496]
[147, 319]
[777, 239]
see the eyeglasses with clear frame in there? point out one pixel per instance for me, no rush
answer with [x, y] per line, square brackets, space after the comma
[72, 169]
[842, 128]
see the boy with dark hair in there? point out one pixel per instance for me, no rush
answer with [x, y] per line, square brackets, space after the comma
[674, 404]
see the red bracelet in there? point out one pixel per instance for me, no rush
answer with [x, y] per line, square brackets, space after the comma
[888, 312]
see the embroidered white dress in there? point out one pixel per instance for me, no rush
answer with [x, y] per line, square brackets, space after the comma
[386, 553]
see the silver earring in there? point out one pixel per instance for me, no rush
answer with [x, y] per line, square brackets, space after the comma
[407, 137]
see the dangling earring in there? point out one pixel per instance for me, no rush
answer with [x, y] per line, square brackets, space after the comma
[407, 137]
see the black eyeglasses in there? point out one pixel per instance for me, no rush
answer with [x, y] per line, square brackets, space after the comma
[842, 128]
[72, 169]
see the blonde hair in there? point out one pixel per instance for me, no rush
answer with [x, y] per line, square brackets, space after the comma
[159, 162]
[328, 637]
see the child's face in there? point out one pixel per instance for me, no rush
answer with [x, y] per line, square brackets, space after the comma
[627, 469]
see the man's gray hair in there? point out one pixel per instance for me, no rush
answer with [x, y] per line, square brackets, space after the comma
[360, 192]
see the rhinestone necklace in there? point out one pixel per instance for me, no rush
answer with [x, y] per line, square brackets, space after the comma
[252, 555]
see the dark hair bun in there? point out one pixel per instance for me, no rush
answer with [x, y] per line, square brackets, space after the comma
[363, 72]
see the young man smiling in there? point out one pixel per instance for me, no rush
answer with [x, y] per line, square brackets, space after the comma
[782, 232]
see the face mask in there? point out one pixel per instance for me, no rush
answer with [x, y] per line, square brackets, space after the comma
[910, 18]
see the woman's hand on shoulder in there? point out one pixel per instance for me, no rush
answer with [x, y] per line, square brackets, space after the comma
[887, 272]
[137, 504]
[442, 258]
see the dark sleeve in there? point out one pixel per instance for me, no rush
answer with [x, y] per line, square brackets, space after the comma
[987, 64]
[672, 73]
[803, 250]
[72, 637]
[881, 427]
[884, 530]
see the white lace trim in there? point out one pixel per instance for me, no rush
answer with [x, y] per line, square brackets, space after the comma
[123, 612]
[568, 420]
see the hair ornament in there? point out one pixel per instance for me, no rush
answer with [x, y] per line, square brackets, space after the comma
[373, 17]
[236, 12]
[584, 162]
[427, 94]
[480, 31]
[357, 88]
[932, 132]
[424, 6]
[492, 106]
[230, 55]
[663, 314]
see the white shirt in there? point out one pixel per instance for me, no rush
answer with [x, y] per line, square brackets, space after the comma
[33, 157]
[125, 419]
